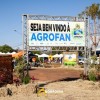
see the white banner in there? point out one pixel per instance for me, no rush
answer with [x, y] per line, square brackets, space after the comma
[56, 33]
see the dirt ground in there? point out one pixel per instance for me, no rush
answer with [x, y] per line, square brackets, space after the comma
[55, 74]
[59, 84]
[62, 90]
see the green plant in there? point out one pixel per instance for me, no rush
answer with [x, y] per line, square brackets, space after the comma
[92, 65]
[92, 76]
[65, 63]
[70, 63]
[26, 79]
[19, 69]
[94, 58]
[97, 67]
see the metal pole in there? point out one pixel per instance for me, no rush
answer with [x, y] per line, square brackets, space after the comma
[23, 33]
[86, 46]
[25, 37]
[89, 45]
[27, 43]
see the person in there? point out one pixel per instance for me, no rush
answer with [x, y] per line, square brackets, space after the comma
[14, 63]
[33, 61]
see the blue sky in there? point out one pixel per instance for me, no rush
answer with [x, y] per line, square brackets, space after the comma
[11, 15]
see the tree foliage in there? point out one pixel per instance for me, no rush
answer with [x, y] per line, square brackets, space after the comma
[93, 12]
[6, 48]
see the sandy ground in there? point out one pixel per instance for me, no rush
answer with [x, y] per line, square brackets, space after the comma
[62, 90]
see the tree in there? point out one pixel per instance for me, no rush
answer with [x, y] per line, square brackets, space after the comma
[6, 48]
[93, 12]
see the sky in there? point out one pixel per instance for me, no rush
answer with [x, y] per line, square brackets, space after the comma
[11, 12]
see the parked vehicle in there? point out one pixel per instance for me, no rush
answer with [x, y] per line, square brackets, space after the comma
[81, 61]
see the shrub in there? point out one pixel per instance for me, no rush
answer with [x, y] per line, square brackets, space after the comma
[97, 67]
[19, 69]
[70, 63]
[83, 76]
[92, 65]
[65, 63]
[92, 76]
[26, 79]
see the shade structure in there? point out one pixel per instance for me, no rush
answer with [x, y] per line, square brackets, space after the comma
[17, 55]
[50, 56]
[43, 55]
[0, 52]
[57, 56]
[13, 53]
[8, 53]
[36, 54]
[61, 55]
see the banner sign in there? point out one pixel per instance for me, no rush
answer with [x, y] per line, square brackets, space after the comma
[56, 33]
[70, 58]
